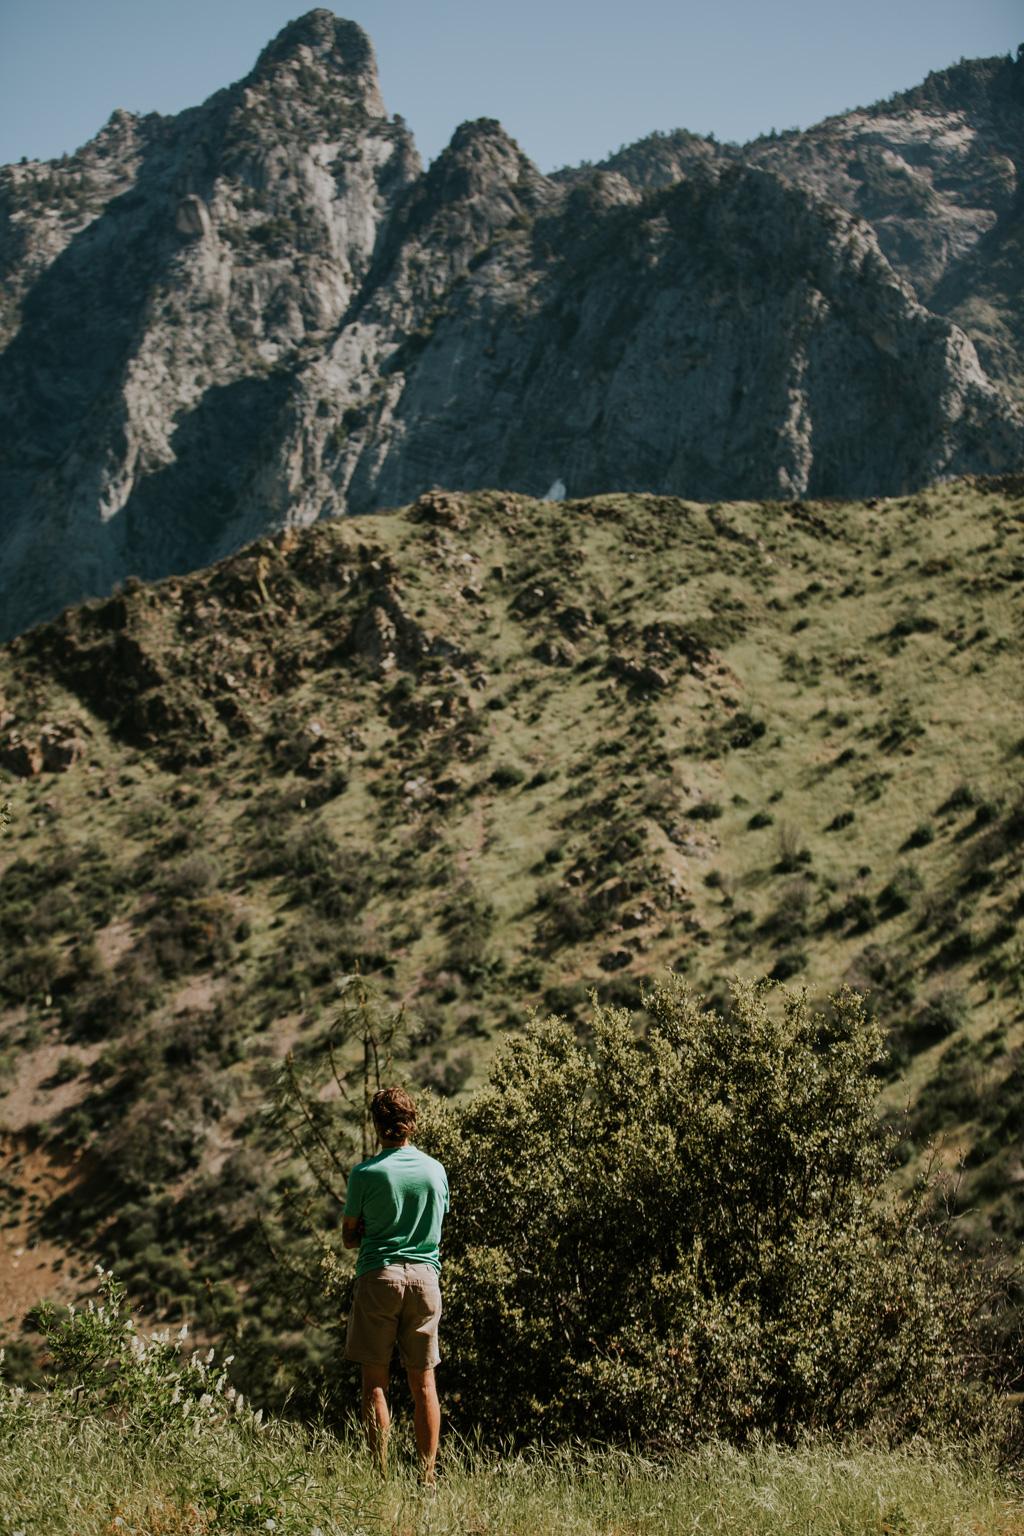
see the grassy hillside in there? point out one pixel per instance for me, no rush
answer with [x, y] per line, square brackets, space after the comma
[497, 752]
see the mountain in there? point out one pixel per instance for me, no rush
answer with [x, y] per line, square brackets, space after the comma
[495, 752]
[262, 313]
[936, 172]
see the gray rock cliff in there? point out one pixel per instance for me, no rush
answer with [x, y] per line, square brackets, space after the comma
[262, 312]
[938, 172]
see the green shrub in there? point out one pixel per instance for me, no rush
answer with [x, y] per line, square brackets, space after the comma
[194, 875]
[947, 1012]
[32, 973]
[566, 920]
[468, 920]
[184, 935]
[506, 776]
[922, 835]
[687, 1234]
[897, 896]
[844, 819]
[541, 777]
[334, 881]
[445, 1075]
[761, 819]
[744, 730]
[67, 1069]
[962, 798]
[788, 964]
[101, 1365]
[792, 850]
[705, 810]
[566, 998]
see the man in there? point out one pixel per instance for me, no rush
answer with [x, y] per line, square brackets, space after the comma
[395, 1205]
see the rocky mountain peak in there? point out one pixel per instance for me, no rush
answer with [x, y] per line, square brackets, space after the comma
[317, 63]
[480, 154]
[263, 312]
[318, 36]
[483, 167]
[479, 187]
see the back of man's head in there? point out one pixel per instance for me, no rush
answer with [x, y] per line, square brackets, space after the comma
[394, 1114]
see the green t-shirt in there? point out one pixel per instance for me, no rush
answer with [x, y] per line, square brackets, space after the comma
[403, 1194]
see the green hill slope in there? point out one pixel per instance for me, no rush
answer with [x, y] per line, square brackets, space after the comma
[498, 752]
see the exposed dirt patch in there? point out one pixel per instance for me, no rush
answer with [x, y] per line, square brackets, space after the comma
[197, 995]
[33, 1268]
[35, 1095]
[114, 941]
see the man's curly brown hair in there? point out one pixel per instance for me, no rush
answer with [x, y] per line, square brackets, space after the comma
[394, 1114]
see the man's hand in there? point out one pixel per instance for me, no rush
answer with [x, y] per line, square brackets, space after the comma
[352, 1230]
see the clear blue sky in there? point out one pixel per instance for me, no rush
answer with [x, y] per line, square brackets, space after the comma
[570, 79]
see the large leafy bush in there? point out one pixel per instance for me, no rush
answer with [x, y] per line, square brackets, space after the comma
[690, 1232]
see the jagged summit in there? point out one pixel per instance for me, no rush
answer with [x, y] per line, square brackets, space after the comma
[484, 170]
[329, 38]
[264, 312]
[479, 185]
[321, 38]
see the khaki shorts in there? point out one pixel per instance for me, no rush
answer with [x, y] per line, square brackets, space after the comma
[400, 1303]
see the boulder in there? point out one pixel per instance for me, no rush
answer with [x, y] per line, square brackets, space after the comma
[20, 756]
[61, 747]
[556, 653]
[191, 218]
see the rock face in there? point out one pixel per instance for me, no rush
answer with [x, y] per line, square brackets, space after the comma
[262, 312]
[937, 171]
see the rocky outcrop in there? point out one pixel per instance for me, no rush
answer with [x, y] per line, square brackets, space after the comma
[938, 172]
[55, 749]
[162, 290]
[262, 312]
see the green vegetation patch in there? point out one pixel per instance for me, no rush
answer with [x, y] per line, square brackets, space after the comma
[493, 752]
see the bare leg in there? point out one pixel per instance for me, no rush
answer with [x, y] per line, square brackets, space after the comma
[427, 1419]
[376, 1419]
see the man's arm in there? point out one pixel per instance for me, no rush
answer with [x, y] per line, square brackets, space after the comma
[353, 1222]
[352, 1229]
